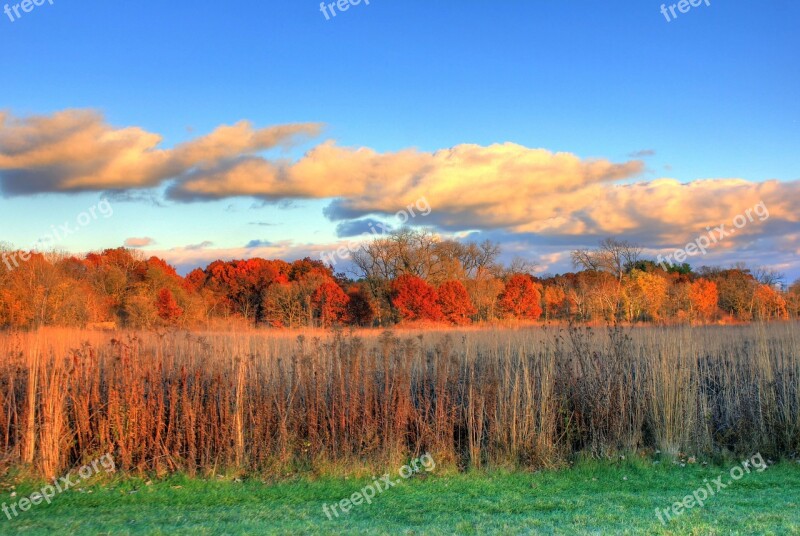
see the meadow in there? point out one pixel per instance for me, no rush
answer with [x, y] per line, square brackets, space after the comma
[278, 403]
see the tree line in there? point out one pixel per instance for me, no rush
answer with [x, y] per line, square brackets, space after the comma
[407, 276]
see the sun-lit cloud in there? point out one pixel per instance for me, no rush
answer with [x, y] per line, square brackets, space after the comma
[139, 242]
[528, 197]
[76, 151]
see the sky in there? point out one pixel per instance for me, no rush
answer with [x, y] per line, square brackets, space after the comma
[201, 130]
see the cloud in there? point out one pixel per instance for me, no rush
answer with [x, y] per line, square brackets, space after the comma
[139, 242]
[258, 244]
[202, 245]
[644, 153]
[358, 227]
[530, 196]
[76, 151]
[372, 181]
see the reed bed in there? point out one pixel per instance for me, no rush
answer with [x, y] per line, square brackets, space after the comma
[267, 403]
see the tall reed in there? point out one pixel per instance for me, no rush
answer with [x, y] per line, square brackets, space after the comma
[266, 402]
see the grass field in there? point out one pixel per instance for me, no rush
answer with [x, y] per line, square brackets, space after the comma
[593, 498]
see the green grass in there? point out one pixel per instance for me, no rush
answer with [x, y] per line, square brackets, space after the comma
[616, 498]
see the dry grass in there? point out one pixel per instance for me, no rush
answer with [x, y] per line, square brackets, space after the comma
[271, 402]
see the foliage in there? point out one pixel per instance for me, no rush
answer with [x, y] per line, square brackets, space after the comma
[454, 302]
[415, 299]
[521, 298]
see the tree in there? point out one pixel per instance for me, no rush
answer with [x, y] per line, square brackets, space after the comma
[360, 308]
[283, 307]
[769, 304]
[648, 294]
[415, 299]
[484, 291]
[167, 307]
[703, 298]
[521, 298]
[736, 291]
[455, 303]
[554, 300]
[330, 304]
[614, 256]
[793, 299]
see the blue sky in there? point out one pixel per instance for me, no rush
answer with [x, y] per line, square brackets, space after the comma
[711, 95]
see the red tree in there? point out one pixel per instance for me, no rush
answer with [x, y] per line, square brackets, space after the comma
[455, 303]
[167, 307]
[521, 298]
[415, 299]
[330, 303]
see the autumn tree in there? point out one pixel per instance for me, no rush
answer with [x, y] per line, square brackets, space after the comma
[647, 294]
[414, 299]
[167, 308]
[360, 307]
[521, 298]
[769, 304]
[484, 292]
[330, 304]
[283, 307]
[703, 298]
[736, 289]
[455, 303]
[554, 300]
[793, 299]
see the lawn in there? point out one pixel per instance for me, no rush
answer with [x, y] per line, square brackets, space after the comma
[593, 498]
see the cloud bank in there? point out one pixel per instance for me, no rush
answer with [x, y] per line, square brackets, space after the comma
[521, 193]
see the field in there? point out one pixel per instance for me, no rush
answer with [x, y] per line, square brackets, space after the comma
[536, 429]
[607, 498]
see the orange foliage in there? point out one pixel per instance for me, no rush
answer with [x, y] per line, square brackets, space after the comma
[415, 299]
[455, 303]
[330, 303]
[704, 296]
[521, 298]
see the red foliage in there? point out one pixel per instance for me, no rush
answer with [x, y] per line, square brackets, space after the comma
[167, 307]
[330, 303]
[155, 262]
[455, 303]
[306, 268]
[415, 299]
[195, 280]
[243, 282]
[521, 298]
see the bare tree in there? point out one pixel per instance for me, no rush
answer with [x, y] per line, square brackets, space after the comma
[613, 256]
[520, 265]
[768, 276]
[423, 254]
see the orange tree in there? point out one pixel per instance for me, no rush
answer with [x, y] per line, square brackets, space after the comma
[415, 299]
[521, 298]
[455, 303]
